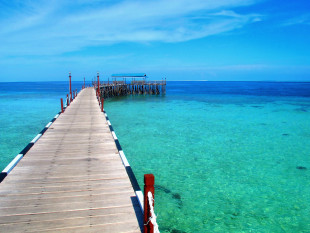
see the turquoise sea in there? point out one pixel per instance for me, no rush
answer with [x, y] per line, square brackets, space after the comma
[227, 156]
[25, 109]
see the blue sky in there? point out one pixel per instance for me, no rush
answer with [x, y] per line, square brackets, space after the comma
[178, 39]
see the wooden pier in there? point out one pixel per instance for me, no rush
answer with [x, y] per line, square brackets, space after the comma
[123, 84]
[72, 179]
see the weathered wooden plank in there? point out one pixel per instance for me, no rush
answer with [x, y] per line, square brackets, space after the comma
[76, 178]
[85, 185]
[52, 207]
[24, 176]
[66, 214]
[86, 222]
[16, 203]
[45, 195]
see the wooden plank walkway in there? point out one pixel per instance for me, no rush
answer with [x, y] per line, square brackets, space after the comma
[72, 179]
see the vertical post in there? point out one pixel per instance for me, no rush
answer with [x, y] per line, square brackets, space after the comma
[70, 86]
[98, 90]
[102, 103]
[68, 101]
[62, 105]
[149, 181]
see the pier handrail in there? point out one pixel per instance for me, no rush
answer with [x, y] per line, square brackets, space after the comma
[153, 217]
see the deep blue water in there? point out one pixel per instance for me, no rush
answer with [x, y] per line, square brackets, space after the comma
[301, 89]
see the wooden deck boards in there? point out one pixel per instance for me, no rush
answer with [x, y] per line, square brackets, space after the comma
[72, 179]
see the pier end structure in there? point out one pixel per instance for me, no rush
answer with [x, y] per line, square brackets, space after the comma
[130, 84]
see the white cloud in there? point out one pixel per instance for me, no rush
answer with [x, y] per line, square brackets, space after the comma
[56, 27]
[302, 19]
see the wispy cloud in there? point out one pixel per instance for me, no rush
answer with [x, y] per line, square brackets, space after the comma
[302, 19]
[56, 27]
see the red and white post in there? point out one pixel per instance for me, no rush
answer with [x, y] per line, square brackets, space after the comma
[149, 181]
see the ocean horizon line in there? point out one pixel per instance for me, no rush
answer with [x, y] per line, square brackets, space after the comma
[87, 81]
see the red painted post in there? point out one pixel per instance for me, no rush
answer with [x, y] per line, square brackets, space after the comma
[102, 103]
[149, 181]
[98, 90]
[68, 101]
[70, 86]
[62, 105]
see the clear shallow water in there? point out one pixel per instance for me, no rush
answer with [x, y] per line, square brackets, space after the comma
[224, 155]
[25, 109]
